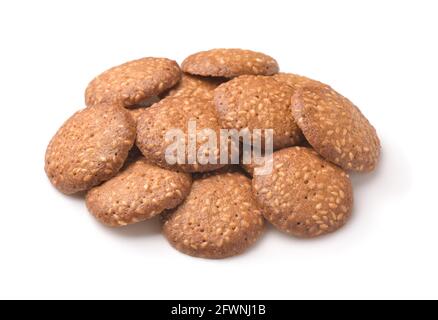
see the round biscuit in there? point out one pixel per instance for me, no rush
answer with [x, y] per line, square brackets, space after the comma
[175, 112]
[218, 219]
[336, 128]
[89, 148]
[304, 195]
[229, 63]
[133, 82]
[138, 193]
[258, 102]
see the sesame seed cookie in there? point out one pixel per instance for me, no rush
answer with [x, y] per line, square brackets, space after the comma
[138, 193]
[175, 112]
[229, 63]
[336, 128]
[133, 82]
[218, 219]
[89, 148]
[258, 102]
[201, 87]
[305, 195]
[296, 81]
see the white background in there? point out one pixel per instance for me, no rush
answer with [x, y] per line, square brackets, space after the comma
[381, 54]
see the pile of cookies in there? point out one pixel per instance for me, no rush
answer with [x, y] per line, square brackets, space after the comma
[115, 151]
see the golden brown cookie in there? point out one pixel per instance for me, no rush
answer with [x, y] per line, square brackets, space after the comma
[133, 82]
[229, 63]
[202, 87]
[305, 195]
[89, 148]
[258, 102]
[138, 193]
[218, 219]
[336, 128]
[175, 112]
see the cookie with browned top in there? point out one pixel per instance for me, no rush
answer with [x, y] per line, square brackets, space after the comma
[175, 114]
[89, 148]
[133, 82]
[336, 128]
[305, 195]
[229, 63]
[138, 193]
[258, 102]
[218, 219]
